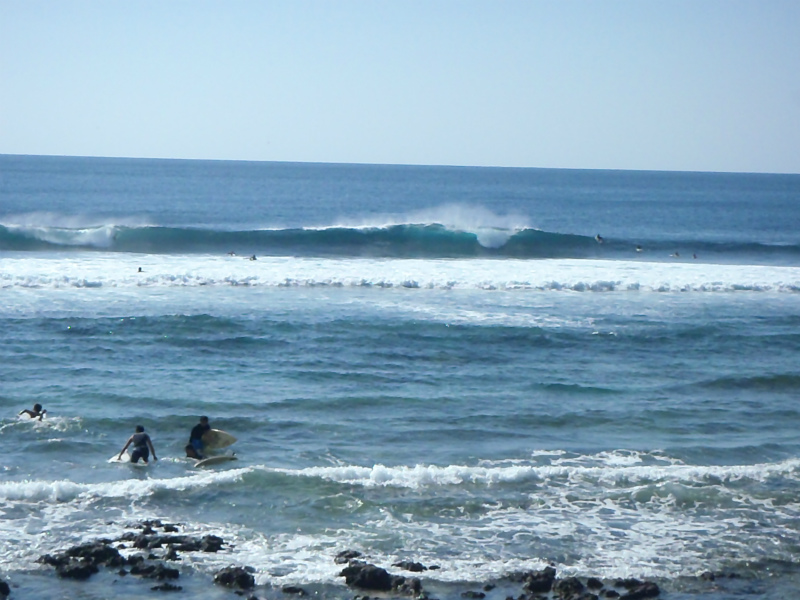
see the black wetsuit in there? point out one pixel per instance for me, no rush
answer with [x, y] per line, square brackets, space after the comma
[196, 437]
[140, 447]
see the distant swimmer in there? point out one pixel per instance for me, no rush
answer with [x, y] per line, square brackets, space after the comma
[694, 255]
[140, 270]
[638, 248]
[142, 446]
[231, 253]
[676, 255]
[37, 413]
[599, 238]
[253, 257]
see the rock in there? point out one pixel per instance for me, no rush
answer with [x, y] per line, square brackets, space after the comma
[410, 586]
[538, 582]
[408, 565]
[235, 577]
[184, 543]
[594, 584]
[293, 589]
[345, 556]
[473, 594]
[645, 590]
[4, 589]
[164, 572]
[166, 587]
[211, 543]
[568, 588]
[367, 577]
[158, 571]
[83, 561]
[76, 569]
[98, 553]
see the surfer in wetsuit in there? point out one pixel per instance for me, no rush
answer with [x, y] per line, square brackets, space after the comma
[196, 439]
[142, 446]
[37, 413]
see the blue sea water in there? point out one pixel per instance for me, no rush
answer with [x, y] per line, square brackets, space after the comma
[423, 363]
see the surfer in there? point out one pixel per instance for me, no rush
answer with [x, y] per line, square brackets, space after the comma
[37, 413]
[142, 446]
[196, 438]
[599, 238]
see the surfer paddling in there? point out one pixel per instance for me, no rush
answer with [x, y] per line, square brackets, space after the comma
[142, 446]
[37, 413]
[194, 449]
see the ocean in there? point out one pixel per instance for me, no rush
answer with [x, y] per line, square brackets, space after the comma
[484, 370]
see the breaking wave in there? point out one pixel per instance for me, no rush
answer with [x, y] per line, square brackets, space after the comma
[406, 240]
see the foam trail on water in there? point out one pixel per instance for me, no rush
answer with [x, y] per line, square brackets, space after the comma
[66, 491]
[110, 270]
[426, 476]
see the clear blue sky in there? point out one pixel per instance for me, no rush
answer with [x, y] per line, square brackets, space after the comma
[700, 85]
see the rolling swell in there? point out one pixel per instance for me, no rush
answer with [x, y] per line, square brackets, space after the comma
[392, 241]
[395, 241]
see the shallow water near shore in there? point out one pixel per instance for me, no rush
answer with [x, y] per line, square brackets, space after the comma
[436, 365]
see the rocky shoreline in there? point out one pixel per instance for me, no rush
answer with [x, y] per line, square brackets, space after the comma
[152, 551]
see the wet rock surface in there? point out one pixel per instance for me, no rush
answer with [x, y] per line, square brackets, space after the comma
[154, 550]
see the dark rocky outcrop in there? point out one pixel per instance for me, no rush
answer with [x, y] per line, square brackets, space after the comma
[594, 584]
[412, 566]
[345, 556]
[237, 577]
[366, 577]
[157, 571]
[184, 543]
[293, 589]
[644, 590]
[568, 588]
[166, 587]
[84, 560]
[537, 582]
[544, 585]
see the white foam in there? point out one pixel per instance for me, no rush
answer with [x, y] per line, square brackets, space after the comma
[616, 470]
[66, 491]
[101, 270]
[610, 515]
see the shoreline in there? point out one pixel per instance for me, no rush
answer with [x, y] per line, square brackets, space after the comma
[149, 558]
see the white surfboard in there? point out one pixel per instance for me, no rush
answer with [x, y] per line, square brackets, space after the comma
[126, 459]
[214, 460]
[214, 439]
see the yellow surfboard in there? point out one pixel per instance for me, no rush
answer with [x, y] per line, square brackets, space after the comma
[214, 439]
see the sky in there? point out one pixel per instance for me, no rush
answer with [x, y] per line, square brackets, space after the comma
[686, 85]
